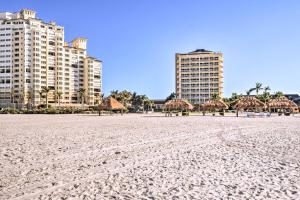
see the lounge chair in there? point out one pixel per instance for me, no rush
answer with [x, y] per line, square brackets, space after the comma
[287, 113]
[250, 114]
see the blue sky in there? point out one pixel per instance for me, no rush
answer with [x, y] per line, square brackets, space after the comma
[137, 39]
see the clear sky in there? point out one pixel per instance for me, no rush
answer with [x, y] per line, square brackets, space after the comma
[137, 39]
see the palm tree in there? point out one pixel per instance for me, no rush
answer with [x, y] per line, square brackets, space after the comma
[267, 88]
[81, 92]
[266, 95]
[96, 96]
[12, 94]
[143, 98]
[136, 101]
[41, 93]
[215, 96]
[21, 98]
[101, 97]
[258, 86]
[125, 98]
[171, 96]
[114, 94]
[234, 96]
[59, 95]
[148, 103]
[29, 99]
[46, 90]
[248, 92]
[133, 96]
[140, 102]
[279, 94]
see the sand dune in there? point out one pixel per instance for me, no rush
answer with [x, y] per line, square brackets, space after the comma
[149, 157]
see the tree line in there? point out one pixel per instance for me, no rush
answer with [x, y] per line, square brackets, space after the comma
[132, 101]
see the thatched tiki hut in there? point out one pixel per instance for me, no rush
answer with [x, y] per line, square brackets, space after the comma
[248, 103]
[111, 104]
[213, 105]
[178, 105]
[282, 103]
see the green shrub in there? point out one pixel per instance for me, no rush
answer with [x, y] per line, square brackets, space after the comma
[10, 111]
[185, 113]
[52, 111]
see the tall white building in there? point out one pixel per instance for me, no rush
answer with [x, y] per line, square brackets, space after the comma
[34, 54]
[199, 75]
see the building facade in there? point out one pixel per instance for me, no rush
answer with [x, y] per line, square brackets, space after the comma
[34, 55]
[158, 104]
[199, 75]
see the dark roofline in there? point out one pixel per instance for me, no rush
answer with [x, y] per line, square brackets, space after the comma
[37, 19]
[94, 58]
[203, 51]
[159, 101]
[74, 48]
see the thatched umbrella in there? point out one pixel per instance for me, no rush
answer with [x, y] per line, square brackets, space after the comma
[111, 104]
[282, 103]
[248, 102]
[214, 104]
[178, 104]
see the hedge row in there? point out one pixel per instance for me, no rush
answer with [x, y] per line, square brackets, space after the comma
[46, 111]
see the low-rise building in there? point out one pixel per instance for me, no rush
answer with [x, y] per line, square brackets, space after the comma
[158, 104]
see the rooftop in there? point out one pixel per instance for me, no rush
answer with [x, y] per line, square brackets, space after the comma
[201, 51]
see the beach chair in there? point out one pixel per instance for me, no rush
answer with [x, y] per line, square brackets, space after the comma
[287, 113]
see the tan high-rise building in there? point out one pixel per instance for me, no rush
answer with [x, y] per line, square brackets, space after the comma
[199, 75]
[34, 54]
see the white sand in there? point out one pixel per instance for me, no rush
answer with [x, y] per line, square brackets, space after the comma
[147, 157]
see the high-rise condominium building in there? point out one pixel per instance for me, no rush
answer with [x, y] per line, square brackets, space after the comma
[34, 55]
[199, 75]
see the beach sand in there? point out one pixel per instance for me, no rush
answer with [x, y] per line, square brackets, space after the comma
[149, 157]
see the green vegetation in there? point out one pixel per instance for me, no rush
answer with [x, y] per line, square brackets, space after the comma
[81, 93]
[49, 111]
[132, 101]
[58, 97]
[171, 97]
[45, 91]
[215, 97]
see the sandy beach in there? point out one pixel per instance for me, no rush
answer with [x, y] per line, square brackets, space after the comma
[149, 157]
